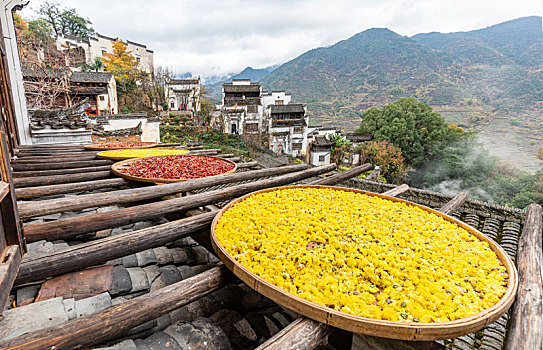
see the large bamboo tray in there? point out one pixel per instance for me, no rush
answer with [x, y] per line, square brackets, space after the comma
[116, 168]
[364, 325]
[97, 147]
[104, 155]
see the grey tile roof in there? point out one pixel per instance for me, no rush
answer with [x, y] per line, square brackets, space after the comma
[290, 108]
[91, 77]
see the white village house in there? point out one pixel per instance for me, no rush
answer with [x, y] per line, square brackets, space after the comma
[183, 94]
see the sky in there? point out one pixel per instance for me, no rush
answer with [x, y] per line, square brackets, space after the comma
[215, 38]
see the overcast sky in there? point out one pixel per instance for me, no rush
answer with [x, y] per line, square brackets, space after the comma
[209, 38]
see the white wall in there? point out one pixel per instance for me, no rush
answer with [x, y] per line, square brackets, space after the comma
[150, 130]
[314, 159]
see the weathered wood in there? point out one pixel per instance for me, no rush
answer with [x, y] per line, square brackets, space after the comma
[22, 155]
[62, 229]
[396, 191]
[53, 159]
[233, 159]
[9, 265]
[99, 327]
[60, 179]
[526, 331]
[61, 165]
[247, 165]
[361, 342]
[343, 176]
[61, 171]
[102, 250]
[38, 208]
[454, 203]
[41, 191]
[202, 152]
[302, 334]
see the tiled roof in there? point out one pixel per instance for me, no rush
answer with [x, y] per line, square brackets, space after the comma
[91, 77]
[290, 108]
[240, 88]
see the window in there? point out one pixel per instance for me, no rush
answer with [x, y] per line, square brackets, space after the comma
[298, 130]
[102, 98]
[278, 102]
[252, 127]
[322, 158]
[104, 52]
[252, 109]
[297, 146]
[138, 59]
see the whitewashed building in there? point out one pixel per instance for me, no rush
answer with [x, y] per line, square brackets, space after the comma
[242, 108]
[99, 45]
[320, 151]
[183, 94]
[288, 130]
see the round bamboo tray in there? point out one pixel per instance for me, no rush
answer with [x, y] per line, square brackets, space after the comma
[104, 155]
[369, 326]
[116, 168]
[97, 147]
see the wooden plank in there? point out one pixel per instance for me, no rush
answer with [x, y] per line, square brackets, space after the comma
[66, 228]
[9, 266]
[41, 191]
[61, 165]
[113, 322]
[61, 171]
[454, 203]
[38, 208]
[4, 190]
[60, 179]
[49, 159]
[343, 176]
[526, 331]
[302, 334]
[102, 250]
[22, 155]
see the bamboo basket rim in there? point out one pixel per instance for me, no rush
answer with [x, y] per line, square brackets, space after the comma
[159, 181]
[364, 325]
[96, 146]
[105, 156]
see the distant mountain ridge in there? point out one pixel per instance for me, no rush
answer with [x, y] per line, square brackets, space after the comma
[497, 70]
[215, 89]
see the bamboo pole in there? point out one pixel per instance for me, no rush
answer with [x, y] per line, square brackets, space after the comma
[526, 331]
[66, 228]
[59, 179]
[102, 326]
[45, 207]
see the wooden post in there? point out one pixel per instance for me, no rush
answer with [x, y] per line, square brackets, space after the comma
[66, 228]
[108, 324]
[526, 330]
[38, 208]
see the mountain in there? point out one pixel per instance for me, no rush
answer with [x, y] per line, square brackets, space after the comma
[493, 71]
[215, 89]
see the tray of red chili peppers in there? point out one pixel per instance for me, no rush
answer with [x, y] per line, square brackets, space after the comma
[107, 146]
[174, 168]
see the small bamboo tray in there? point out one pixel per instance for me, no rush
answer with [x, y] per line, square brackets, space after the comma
[104, 155]
[97, 147]
[369, 326]
[116, 168]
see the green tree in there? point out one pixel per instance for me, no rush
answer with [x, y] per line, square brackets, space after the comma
[340, 148]
[413, 126]
[40, 29]
[64, 21]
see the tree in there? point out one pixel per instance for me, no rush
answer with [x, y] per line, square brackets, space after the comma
[384, 154]
[64, 21]
[412, 126]
[124, 66]
[340, 148]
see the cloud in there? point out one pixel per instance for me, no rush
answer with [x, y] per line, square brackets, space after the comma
[208, 37]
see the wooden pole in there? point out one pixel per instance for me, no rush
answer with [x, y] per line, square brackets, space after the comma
[343, 176]
[55, 159]
[59, 179]
[526, 330]
[102, 326]
[102, 250]
[45, 207]
[61, 165]
[21, 155]
[247, 165]
[61, 171]
[41, 191]
[454, 203]
[66, 228]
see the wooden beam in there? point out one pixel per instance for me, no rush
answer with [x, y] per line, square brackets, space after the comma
[9, 265]
[22, 155]
[61, 165]
[396, 191]
[526, 330]
[61, 171]
[102, 250]
[38, 208]
[343, 176]
[41, 191]
[60, 179]
[454, 203]
[67, 228]
[113, 322]
[53, 159]
[247, 165]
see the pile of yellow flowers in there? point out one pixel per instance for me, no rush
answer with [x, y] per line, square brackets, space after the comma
[363, 255]
[142, 152]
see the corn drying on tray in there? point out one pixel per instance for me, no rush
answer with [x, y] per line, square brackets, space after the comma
[366, 262]
[122, 154]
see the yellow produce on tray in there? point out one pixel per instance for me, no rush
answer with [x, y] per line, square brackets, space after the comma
[363, 255]
[143, 152]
